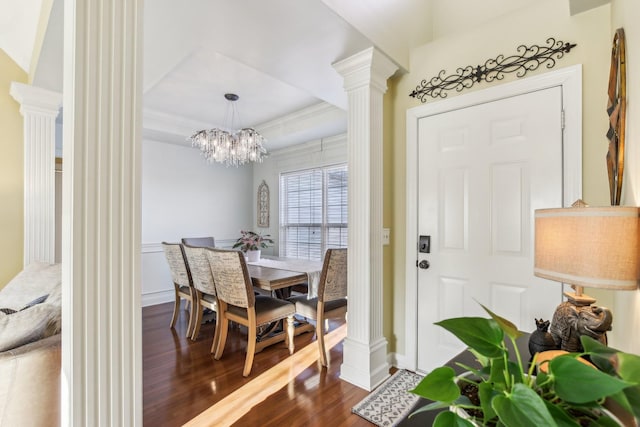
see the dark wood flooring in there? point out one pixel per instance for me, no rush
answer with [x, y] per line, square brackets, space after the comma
[181, 379]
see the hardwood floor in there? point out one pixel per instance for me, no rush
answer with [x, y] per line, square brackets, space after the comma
[183, 384]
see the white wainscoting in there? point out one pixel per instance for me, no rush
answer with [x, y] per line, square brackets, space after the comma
[156, 277]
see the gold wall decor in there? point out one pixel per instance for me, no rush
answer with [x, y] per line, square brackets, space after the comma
[617, 111]
[263, 204]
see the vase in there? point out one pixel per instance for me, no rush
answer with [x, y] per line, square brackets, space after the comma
[253, 256]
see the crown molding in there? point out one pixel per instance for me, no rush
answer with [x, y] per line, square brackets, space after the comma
[579, 6]
[288, 129]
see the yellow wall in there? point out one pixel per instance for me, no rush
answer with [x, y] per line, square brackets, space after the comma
[546, 18]
[626, 306]
[388, 214]
[11, 187]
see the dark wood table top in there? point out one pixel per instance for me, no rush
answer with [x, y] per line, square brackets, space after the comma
[271, 279]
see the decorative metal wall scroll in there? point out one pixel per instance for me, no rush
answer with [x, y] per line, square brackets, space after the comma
[527, 59]
[617, 111]
[263, 205]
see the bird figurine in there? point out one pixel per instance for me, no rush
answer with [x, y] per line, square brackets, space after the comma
[541, 339]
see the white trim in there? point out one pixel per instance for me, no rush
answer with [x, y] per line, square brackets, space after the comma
[155, 247]
[159, 297]
[570, 79]
[39, 108]
[365, 347]
[101, 378]
[150, 248]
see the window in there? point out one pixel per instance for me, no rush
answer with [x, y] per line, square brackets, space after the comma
[313, 212]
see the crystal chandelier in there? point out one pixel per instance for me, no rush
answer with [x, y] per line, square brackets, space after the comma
[229, 147]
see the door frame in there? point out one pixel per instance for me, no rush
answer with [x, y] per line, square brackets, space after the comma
[570, 80]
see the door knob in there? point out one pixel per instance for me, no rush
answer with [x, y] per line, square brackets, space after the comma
[424, 264]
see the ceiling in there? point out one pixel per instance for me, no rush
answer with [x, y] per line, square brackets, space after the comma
[277, 55]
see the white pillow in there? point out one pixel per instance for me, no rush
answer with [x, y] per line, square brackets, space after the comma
[25, 326]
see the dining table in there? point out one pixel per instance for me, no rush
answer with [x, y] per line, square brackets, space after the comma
[277, 275]
[274, 273]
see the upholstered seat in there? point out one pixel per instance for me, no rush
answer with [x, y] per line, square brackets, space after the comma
[182, 282]
[238, 303]
[204, 288]
[199, 242]
[332, 297]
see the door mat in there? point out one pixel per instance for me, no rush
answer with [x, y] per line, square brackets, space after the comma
[391, 402]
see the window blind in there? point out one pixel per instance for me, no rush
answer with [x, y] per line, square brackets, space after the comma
[313, 211]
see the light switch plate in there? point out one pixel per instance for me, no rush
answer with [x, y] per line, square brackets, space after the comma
[385, 236]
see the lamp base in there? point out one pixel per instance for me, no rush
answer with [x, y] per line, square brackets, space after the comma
[577, 317]
[579, 300]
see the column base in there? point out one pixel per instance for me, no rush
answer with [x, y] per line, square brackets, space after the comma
[363, 365]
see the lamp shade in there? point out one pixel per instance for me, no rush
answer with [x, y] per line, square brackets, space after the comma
[593, 247]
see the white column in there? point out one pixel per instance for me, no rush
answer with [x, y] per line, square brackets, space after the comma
[39, 109]
[101, 331]
[365, 347]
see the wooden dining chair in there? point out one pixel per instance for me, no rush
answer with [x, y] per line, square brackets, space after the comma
[331, 301]
[199, 242]
[182, 282]
[204, 289]
[238, 303]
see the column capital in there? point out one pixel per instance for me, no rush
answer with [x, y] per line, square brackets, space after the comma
[369, 67]
[35, 99]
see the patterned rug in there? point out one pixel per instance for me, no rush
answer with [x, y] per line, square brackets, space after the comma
[391, 402]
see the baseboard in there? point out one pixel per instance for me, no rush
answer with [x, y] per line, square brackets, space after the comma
[399, 361]
[155, 298]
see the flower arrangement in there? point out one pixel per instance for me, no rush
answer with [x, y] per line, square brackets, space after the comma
[565, 391]
[252, 241]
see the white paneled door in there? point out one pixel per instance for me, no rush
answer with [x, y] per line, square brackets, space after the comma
[482, 172]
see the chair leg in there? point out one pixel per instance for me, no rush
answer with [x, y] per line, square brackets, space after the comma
[224, 327]
[251, 349]
[198, 321]
[176, 308]
[216, 332]
[320, 338]
[192, 319]
[291, 329]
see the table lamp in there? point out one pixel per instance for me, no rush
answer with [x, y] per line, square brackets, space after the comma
[595, 247]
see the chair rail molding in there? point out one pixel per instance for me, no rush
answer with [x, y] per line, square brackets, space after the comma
[39, 108]
[365, 347]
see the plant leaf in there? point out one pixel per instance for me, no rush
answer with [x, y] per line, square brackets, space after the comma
[486, 394]
[450, 419]
[578, 383]
[439, 385]
[628, 367]
[507, 327]
[633, 400]
[482, 335]
[599, 354]
[522, 408]
[430, 407]
[561, 417]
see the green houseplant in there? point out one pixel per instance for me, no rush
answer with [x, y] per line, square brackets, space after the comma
[571, 393]
[252, 241]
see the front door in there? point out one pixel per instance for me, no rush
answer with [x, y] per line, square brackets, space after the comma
[482, 172]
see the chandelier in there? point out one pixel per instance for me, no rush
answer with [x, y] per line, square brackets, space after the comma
[230, 147]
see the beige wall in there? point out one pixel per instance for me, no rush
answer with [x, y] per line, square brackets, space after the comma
[626, 307]
[548, 18]
[11, 188]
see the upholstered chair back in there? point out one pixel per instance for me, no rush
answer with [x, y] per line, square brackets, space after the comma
[200, 269]
[199, 242]
[333, 279]
[231, 277]
[180, 273]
